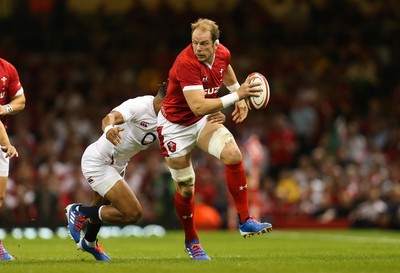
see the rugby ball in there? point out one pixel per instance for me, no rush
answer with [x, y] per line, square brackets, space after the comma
[257, 103]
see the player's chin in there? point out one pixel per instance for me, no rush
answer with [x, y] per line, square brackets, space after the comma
[201, 58]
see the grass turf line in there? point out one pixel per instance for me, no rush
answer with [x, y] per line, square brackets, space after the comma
[280, 251]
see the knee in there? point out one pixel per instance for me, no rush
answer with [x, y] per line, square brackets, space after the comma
[184, 189]
[184, 180]
[231, 154]
[133, 216]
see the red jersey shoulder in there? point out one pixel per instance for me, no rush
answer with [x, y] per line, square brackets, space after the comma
[187, 58]
[7, 67]
[9, 79]
[187, 68]
[224, 52]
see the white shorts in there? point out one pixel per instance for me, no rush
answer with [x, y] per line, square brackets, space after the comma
[99, 171]
[177, 140]
[4, 164]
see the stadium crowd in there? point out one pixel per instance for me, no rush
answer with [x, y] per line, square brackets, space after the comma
[327, 146]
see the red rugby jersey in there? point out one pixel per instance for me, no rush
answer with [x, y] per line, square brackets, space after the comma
[187, 73]
[10, 85]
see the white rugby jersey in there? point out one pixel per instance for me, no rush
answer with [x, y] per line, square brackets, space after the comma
[140, 123]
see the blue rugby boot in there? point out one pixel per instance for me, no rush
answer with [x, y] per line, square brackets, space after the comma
[4, 255]
[76, 221]
[251, 226]
[97, 251]
[195, 251]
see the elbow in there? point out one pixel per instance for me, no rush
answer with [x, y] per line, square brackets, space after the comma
[199, 111]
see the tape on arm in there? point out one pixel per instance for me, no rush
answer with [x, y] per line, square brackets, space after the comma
[108, 128]
[233, 88]
[229, 99]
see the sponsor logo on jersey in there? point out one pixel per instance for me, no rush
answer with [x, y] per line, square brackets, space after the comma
[4, 79]
[210, 91]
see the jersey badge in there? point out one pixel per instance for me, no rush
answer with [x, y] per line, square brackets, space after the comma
[171, 146]
[4, 79]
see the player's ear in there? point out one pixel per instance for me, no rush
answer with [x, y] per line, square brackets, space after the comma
[216, 43]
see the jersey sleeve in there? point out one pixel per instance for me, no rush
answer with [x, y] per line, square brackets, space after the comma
[14, 87]
[226, 53]
[188, 74]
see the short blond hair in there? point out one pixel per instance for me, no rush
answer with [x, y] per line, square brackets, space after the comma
[207, 24]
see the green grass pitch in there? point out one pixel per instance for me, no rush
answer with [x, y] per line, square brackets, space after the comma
[280, 251]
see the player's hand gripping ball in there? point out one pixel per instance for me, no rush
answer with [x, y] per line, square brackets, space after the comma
[257, 103]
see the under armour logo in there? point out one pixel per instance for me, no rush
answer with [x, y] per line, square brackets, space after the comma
[243, 187]
[204, 79]
[187, 216]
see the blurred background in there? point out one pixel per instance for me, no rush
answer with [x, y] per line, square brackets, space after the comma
[325, 153]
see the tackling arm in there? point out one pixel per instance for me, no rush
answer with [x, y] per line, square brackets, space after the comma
[111, 119]
[107, 125]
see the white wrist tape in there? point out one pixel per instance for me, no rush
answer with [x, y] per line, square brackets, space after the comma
[108, 128]
[229, 99]
[9, 109]
[234, 87]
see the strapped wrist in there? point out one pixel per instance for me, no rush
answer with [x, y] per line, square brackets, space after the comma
[229, 99]
[9, 109]
[233, 88]
[108, 128]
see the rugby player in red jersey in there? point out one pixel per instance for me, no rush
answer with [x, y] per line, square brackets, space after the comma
[192, 94]
[12, 101]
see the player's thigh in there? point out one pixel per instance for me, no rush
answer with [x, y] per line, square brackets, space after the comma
[122, 197]
[4, 167]
[3, 184]
[218, 141]
[99, 200]
[206, 134]
[176, 141]
[100, 175]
